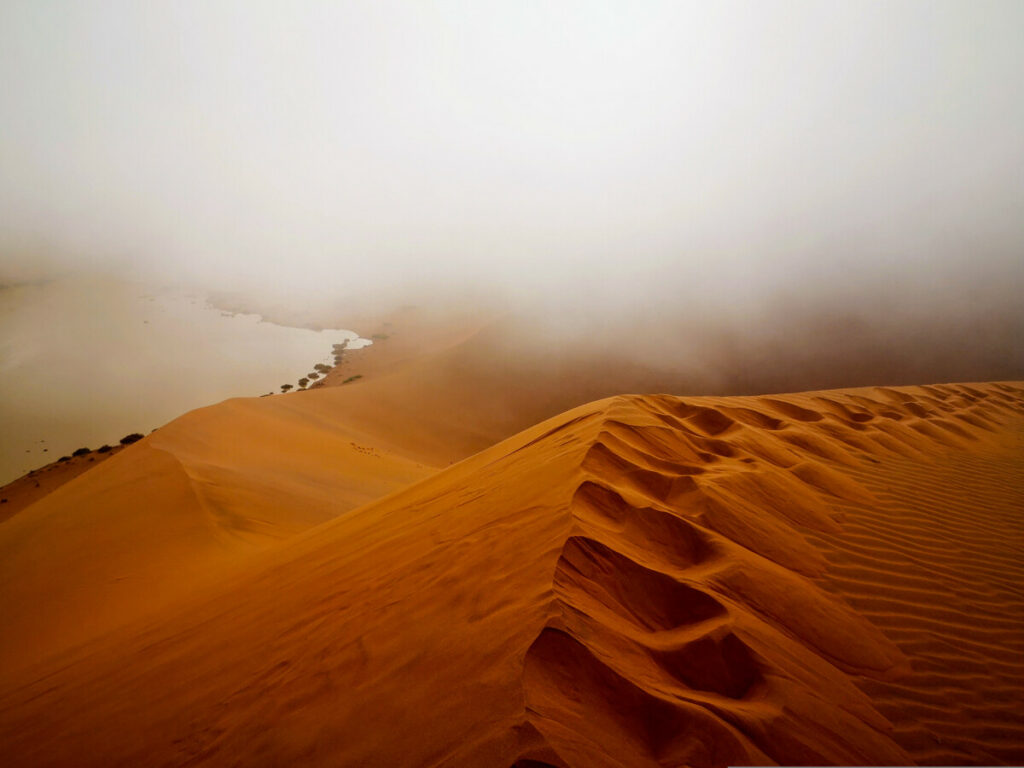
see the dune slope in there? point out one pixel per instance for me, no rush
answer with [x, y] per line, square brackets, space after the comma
[938, 565]
[176, 511]
[819, 578]
[457, 394]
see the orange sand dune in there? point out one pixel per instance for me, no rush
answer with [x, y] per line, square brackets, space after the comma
[457, 392]
[234, 478]
[181, 508]
[34, 485]
[830, 577]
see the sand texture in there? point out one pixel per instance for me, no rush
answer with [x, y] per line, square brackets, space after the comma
[829, 577]
[31, 487]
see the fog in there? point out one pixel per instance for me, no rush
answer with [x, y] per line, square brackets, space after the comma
[767, 168]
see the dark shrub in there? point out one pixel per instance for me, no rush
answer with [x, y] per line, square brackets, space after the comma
[63, 458]
[285, 387]
[303, 382]
[104, 449]
[352, 378]
[80, 452]
[134, 437]
[322, 367]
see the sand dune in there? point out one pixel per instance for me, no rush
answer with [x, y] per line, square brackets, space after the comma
[446, 391]
[828, 577]
[450, 386]
[178, 510]
[31, 487]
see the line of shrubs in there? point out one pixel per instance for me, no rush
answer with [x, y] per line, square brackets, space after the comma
[134, 437]
[320, 369]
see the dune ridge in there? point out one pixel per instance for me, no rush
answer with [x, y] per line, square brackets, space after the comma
[643, 580]
[697, 632]
[837, 429]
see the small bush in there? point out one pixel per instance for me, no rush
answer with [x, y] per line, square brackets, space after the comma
[352, 378]
[134, 437]
[63, 459]
[322, 367]
[313, 376]
[303, 382]
[286, 387]
[80, 452]
[104, 449]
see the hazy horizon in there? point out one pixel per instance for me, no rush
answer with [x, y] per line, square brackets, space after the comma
[740, 161]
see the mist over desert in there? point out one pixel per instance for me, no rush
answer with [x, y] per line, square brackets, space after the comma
[565, 385]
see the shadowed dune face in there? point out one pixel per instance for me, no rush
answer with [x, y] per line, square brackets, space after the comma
[819, 578]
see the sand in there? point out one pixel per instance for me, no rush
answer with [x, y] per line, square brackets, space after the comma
[179, 510]
[31, 487]
[828, 577]
[437, 563]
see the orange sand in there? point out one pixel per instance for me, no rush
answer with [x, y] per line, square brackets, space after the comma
[830, 577]
[30, 488]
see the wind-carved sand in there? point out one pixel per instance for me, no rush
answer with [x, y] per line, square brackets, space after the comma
[829, 577]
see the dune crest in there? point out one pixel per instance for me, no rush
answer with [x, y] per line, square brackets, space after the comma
[640, 581]
[690, 647]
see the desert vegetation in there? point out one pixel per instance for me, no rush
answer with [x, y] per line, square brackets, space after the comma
[338, 350]
[134, 437]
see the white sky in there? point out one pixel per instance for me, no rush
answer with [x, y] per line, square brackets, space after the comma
[640, 147]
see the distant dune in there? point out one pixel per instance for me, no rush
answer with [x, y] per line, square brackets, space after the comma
[829, 577]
